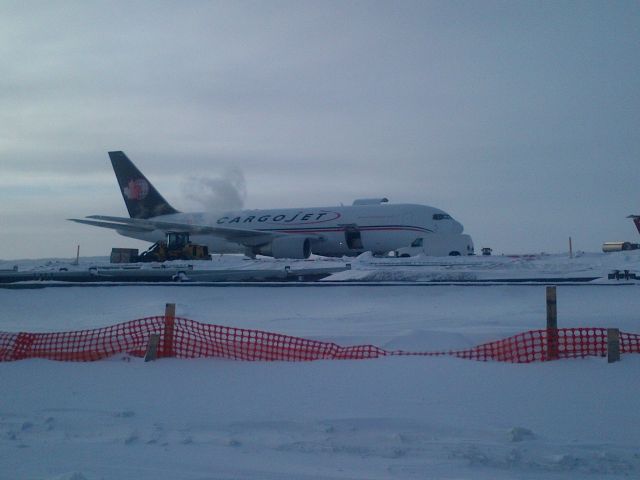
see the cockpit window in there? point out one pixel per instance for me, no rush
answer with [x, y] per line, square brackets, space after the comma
[417, 242]
[441, 216]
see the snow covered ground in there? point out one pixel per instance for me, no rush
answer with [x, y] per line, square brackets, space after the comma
[398, 417]
[367, 268]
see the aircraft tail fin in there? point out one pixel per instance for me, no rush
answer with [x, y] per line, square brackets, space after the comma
[140, 196]
[636, 220]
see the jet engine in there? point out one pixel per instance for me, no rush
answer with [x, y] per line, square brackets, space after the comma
[286, 247]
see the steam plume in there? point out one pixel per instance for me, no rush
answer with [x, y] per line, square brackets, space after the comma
[226, 191]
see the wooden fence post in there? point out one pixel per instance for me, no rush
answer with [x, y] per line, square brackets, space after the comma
[613, 345]
[152, 347]
[169, 323]
[552, 324]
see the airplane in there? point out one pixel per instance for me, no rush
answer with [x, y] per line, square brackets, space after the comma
[636, 220]
[369, 224]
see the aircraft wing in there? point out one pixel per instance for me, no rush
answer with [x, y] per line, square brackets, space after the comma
[243, 236]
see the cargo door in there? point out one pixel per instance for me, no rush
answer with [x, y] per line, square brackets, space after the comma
[353, 237]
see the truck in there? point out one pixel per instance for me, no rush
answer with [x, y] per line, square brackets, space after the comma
[439, 245]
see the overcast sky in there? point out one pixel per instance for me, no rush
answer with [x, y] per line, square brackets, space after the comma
[520, 119]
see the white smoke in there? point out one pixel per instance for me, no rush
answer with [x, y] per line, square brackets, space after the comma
[226, 191]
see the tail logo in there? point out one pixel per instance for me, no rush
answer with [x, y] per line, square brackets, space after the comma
[136, 189]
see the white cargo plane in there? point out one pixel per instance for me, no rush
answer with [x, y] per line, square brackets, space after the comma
[367, 225]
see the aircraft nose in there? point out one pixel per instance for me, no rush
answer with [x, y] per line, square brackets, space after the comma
[456, 227]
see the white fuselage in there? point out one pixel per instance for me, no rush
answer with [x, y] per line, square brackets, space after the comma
[333, 231]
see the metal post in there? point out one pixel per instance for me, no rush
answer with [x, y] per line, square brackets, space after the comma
[552, 324]
[570, 248]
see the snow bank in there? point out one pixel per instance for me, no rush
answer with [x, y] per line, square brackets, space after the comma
[402, 418]
[385, 418]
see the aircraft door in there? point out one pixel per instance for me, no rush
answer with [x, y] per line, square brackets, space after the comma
[353, 238]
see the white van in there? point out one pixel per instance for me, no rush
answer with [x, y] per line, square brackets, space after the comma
[439, 245]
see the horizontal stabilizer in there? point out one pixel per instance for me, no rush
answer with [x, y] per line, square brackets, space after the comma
[114, 226]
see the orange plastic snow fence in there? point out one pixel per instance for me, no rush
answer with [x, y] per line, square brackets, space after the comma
[192, 339]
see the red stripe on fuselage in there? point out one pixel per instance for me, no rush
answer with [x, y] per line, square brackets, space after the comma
[340, 229]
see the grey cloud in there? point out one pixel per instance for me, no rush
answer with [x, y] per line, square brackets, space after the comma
[494, 111]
